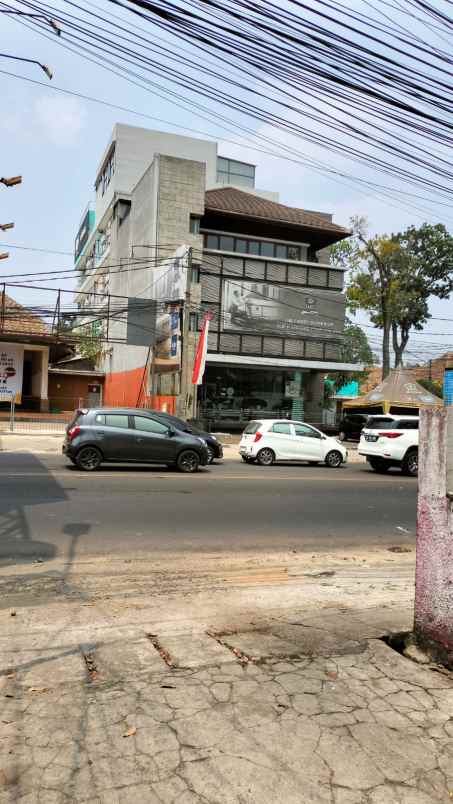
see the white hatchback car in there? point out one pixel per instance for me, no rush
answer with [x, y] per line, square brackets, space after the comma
[273, 440]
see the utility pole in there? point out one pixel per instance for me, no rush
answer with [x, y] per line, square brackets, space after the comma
[185, 397]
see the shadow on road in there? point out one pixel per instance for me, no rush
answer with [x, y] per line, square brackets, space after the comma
[17, 494]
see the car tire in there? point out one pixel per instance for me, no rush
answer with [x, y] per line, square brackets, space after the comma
[409, 466]
[334, 459]
[379, 465]
[266, 456]
[88, 459]
[342, 435]
[188, 461]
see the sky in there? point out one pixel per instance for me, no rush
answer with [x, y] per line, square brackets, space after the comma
[55, 142]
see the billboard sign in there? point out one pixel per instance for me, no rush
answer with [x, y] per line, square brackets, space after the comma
[169, 279]
[11, 371]
[260, 307]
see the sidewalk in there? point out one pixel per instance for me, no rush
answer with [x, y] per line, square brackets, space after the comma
[205, 690]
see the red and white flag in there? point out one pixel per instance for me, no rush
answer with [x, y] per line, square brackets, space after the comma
[202, 348]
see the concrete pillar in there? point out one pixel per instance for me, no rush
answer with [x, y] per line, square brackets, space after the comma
[313, 384]
[434, 569]
[44, 381]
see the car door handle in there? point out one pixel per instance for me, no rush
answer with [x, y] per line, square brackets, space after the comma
[100, 432]
[139, 439]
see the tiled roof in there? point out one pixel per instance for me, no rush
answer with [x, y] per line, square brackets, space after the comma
[18, 320]
[230, 199]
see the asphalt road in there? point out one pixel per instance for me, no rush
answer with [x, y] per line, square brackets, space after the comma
[49, 509]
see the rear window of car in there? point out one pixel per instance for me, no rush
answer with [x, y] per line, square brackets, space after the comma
[407, 424]
[78, 416]
[252, 428]
[377, 422]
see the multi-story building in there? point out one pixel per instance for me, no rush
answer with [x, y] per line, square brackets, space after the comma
[184, 231]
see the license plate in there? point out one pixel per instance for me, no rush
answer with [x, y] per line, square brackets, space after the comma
[371, 437]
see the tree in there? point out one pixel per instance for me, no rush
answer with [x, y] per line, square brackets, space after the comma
[354, 349]
[393, 278]
[433, 386]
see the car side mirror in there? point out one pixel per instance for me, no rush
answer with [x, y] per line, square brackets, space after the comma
[323, 438]
[171, 432]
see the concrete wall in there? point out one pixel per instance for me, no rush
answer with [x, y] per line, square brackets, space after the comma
[434, 569]
[135, 150]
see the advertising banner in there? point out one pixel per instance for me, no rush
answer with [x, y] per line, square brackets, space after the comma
[11, 371]
[260, 307]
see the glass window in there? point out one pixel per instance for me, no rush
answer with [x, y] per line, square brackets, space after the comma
[267, 249]
[212, 241]
[149, 425]
[407, 424]
[222, 163]
[306, 432]
[378, 422]
[117, 420]
[281, 251]
[252, 428]
[293, 253]
[241, 245]
[100, 418]
[194, 226]
[254, 247]
[281, 427]
[226, 243]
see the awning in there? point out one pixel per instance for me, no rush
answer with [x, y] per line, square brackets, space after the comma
[398, 390]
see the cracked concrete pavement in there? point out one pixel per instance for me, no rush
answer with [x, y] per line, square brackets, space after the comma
[161, 702]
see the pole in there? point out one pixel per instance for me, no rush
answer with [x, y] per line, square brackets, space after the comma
[185, 390]
[2, 322]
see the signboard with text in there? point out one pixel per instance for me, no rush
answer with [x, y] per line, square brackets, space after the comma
[261, 307]
[11, 371]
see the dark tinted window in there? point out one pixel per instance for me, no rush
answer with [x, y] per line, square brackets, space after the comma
[407, 424]
[281, 427]
[226, 243]
[117, 420]
[241, 245]
[267, 249]
[252, 428]
[149, 425]
[254, 247]
[378, 422]
[212, 241]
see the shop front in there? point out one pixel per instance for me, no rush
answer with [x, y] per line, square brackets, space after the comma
[232, 395]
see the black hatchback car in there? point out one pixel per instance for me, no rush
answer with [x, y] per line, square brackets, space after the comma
[215, 448]
[128, 435]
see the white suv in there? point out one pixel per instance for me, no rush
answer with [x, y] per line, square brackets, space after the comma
[391, 440]
[282, 440]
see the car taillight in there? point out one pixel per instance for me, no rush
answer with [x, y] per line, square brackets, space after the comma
[73, 432]
[390, 435]
[257, 437]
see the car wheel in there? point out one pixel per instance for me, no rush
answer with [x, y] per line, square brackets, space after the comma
[188, 461]
[334, 459]
[265, 457]
[211, 454]
[88, 459]
[410, 464]
[342, 435]
[379, 465]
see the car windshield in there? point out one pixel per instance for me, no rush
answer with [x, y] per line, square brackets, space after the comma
[252, 428]
[376, 422]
